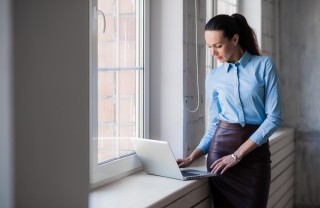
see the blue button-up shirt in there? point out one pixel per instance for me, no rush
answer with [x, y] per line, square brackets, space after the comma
[246, 92]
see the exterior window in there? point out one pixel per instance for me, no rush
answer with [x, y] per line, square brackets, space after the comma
[120, 77]
[117, 79]
[226, 6]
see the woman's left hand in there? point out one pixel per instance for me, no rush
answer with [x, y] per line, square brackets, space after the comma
[223, 164]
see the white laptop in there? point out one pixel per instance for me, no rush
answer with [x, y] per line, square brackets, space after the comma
[157, 159]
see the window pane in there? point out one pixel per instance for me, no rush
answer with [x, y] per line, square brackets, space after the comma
[226, 6]
[120, 87]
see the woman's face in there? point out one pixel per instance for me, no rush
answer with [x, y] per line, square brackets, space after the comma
[221, 48]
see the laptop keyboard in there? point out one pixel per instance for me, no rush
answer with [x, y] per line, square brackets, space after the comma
[186, 173]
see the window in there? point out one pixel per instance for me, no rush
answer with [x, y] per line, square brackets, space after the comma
[226, 6]
[117, 85]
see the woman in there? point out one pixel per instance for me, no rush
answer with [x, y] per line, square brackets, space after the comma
[244, 110]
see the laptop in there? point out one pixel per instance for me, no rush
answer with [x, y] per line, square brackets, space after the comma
[157, 159]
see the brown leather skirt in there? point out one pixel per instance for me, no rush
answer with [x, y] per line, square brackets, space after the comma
[247, 183]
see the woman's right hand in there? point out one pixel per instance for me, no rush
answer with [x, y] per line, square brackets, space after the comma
[185, 162]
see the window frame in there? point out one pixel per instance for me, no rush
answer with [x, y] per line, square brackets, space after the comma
[101, 174]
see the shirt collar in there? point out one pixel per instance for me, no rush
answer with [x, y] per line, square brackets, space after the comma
[243, 61]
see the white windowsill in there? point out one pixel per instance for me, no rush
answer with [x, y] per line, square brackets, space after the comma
[144, 190]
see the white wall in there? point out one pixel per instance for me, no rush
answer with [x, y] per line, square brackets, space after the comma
[51, 103]
[6, 159]
[166, 72]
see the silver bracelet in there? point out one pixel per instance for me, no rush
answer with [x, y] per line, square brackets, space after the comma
[235, 157]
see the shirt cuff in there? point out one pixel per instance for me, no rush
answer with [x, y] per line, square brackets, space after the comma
[258, 138]
[204, 146]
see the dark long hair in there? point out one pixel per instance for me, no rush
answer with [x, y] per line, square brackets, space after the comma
[235, 24]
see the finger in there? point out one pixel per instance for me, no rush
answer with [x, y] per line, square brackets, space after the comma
[184, 164]
[214, 170]
[217, 168]
[216, 162]
[180, 163]
[233, 163]
[226, 168]
[217, 165]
